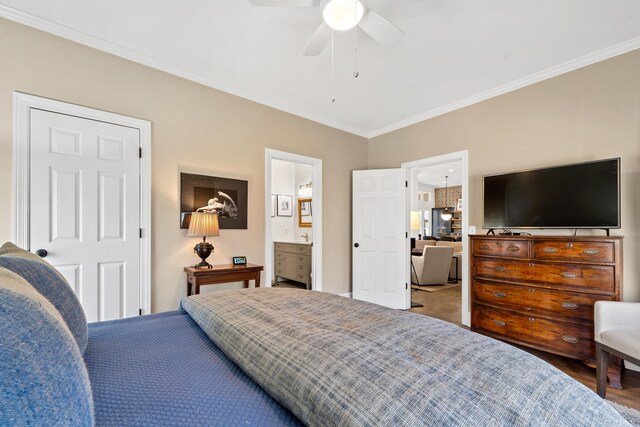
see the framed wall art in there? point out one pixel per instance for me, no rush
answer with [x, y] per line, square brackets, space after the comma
[285, 205]
[205, 193]
[273, 205]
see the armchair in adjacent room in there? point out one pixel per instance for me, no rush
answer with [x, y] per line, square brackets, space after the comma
[617, 332]
[432, 267]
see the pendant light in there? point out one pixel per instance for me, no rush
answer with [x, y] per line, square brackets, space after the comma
[446, 214]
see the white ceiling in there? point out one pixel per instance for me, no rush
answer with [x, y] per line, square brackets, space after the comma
[454, 53]
[434, 175]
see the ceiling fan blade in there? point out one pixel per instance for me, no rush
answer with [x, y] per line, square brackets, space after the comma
[318, 40]
[380, 28]
[285, 3]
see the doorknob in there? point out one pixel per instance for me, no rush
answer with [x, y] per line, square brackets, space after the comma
[42, 253]
[355, 245]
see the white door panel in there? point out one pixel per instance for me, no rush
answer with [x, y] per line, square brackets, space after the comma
[85, 208]
[381, 246]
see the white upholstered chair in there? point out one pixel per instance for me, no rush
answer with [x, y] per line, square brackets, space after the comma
[617, 332]
[432, 267]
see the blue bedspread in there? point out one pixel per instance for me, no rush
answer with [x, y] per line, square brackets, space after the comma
[162, 370]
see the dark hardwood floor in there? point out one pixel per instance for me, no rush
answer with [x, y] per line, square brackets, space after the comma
[445, 305]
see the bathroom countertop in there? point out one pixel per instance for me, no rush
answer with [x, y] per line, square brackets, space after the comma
[295, 242]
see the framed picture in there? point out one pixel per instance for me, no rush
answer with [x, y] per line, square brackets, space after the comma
[459, 205]
[205, 193]
[273, 205]
[304, 213]
[285, 207]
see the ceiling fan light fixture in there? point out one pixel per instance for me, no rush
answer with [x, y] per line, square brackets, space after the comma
[342, 15]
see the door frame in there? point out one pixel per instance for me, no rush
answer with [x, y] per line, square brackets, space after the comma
[316, 233]
[22, 105]
[462, 156]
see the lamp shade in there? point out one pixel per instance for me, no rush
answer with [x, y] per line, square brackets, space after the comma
[446, 214]
[415, 221]
[204, 224]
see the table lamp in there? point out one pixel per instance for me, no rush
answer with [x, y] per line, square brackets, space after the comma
[203, 224]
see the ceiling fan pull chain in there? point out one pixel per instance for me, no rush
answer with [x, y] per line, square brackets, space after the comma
[333, 98]
[356, 73]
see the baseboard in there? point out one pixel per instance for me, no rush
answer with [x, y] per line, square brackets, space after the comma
[346, 295]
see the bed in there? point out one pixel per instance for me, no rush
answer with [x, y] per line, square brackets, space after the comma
[263, 357]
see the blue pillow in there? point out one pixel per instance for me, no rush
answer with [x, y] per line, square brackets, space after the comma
[43, 379]
[52, 285]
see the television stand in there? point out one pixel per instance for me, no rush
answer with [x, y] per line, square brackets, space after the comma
[491, 232]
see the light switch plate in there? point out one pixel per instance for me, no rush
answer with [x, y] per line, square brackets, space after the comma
[472, 229]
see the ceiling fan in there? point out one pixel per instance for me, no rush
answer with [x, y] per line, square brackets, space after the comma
[341, 15]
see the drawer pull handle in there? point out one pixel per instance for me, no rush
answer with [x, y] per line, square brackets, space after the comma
[591, 251]
[499, 294]
[550, 250]
[532, 319]
[513, 248]
[500, 322]
[500, 269]
[484, 247]
[569, 245]
[570, 339]
[570, 305]
[568, 275]
[531, 290]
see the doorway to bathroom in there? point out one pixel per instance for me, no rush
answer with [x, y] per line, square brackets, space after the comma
[293, 218]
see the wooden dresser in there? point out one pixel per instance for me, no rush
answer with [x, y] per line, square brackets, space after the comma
[293, 262]
[539, 291]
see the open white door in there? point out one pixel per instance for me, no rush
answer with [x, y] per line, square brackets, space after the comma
[380, 239]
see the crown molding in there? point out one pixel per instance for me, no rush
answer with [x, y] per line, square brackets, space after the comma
[574, 64]
[159, 64]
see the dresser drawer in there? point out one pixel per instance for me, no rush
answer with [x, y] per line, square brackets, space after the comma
[279, 246]
[279, 255]
[571, 339]
[569, 276]
[537, 300]
[579, 251]
[506, 248]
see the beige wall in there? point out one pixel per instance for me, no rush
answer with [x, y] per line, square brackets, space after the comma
[591, 113]
[587, 114]
[195, 128]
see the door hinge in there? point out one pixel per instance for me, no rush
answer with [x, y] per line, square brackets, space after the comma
[140, 312]
[406, 286]
[141, 233]
[140, 152]
[406, 235]
[406, 184]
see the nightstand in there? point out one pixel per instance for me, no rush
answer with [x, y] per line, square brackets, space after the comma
[227, 273]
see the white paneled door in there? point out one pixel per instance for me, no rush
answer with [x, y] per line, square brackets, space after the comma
[85, 209]
[380, 240]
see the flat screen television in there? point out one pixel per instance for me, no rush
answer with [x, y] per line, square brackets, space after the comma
[581, 195]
